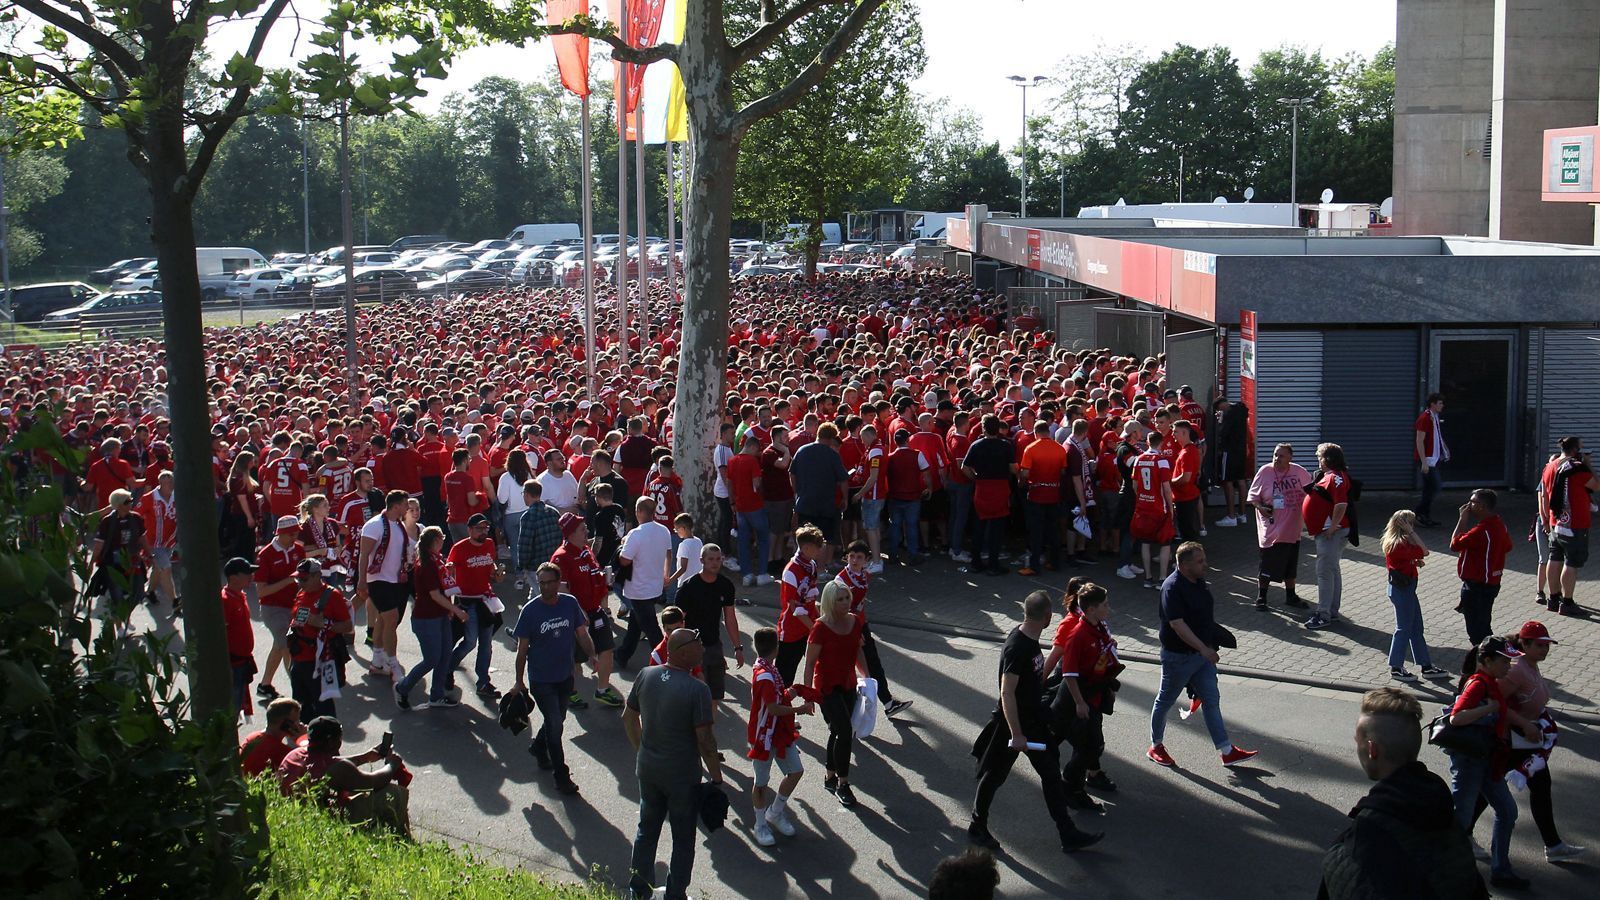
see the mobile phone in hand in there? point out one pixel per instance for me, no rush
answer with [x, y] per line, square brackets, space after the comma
[386, 746]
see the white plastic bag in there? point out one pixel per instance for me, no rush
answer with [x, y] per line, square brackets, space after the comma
[864, 717]
[1080, 522]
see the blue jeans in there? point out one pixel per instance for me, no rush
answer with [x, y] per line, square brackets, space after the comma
[753, 530]
[513, 529]
[551, 699]
[1407, 623]
[1330, 580]
[1180, 670]
[1432, 483]
[1471, 777]
[671, 801]
[435, 640]
[960, 511]
[479, 630]
[903, 518]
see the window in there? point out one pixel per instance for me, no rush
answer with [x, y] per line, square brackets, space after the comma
[235, 264]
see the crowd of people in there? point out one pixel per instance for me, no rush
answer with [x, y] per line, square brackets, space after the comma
[870, 421]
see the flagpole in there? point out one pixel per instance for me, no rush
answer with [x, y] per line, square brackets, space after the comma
[672, 228]
[644, 269]
[588, 258]
[622, 193]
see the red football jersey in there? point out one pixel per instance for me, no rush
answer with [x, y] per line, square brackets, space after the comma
[1150, 472]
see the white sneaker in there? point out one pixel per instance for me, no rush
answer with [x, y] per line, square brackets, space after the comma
[961, 557]
[1478, 852]
[875, 567]
[764, 579]
[731, 564]
[396, 670]
[1559, 853]
[1202, 532]
[779, 820]
[1127, 572]
[763, 833]
[749, 581]
[1137, 570]
[1226, 522]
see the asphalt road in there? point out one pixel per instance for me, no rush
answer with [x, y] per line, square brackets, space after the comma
[1200, 830]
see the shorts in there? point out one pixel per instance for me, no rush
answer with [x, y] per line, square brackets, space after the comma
[1541, 542]
[788, 761]
[1570, 549]
[936, 507]
[276, 620]
[872, 514]
[828, 525]
[1232, 465]
[161, 557]
[1150, 530]
[852, 510]
[780, 515]
[1108, 509]
[386, 596]
[1281, 561]
[600, 632]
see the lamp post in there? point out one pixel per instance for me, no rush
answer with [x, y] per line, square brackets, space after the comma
[1025, 82]
[1295, 104]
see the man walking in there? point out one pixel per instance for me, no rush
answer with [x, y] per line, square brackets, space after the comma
[668, 721]
[1569, 483]
[1021, 725]
[820, 480]
[548, 630]
[1428, 439]
[645, 551]
[1275, 493]
[1480, 542]
[707, 601]
[1190, 637]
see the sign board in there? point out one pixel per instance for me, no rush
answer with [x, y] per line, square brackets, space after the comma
[1569, 165]
[1247, 370]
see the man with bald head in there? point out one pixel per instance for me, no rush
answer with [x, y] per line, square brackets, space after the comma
[668, 721]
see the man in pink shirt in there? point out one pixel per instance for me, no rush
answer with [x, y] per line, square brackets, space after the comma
[1276, 494]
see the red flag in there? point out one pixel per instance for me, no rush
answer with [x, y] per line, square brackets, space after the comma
[572, 50]
[644, 27]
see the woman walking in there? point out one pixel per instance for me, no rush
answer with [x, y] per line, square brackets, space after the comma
[1088, 682]
[241, 511]
[833, 655]
[1403, 551]
[320, 535]
[1481, 704]
[430, 621]
[509, 493]
[1326, 510]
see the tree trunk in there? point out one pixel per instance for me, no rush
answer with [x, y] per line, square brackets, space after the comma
[814, 238]
[172, 231]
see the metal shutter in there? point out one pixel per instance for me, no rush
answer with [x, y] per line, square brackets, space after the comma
[1075, 323]
[1289, 393]
[1192, 360]
[1570, 371]
[1369, 380]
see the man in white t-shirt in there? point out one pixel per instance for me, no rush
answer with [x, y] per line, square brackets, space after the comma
[720, 457]
[645, 550]
[686, 559]
[560, 489]
[384, 577]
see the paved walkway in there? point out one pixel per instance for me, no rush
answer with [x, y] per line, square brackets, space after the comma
[937, 596]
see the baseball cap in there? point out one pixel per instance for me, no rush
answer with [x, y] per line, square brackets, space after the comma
[324, 728]
[1498, 646]
[1533, 630]
[241, 566]
[307, 566]
[477, 519]
[288, 523]
[569, 524]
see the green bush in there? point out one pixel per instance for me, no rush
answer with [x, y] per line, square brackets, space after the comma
[107, 786]
[317, 856]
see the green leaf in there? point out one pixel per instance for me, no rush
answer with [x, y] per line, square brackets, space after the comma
[24, 689]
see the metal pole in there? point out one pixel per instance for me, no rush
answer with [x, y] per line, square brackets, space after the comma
[305, 180]
[1024, 149]
[366, 200]
[644, 269]
[1063, 212]
[586, 176]
[5, 249]
[622, 194]
[347, 218]
[1294, 161]
[672, 225]
[1180, 177]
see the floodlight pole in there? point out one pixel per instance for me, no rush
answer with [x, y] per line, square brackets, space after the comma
[1294, 104]
[1025, 82]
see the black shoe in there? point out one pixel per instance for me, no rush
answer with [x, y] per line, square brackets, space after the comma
[978, 834]
[741, 601]
[997, 570]
[1100, 781]
[1567, 608]
[266, 691]
[896, 706]
[1082, 801]
[489, 692]
[1261, 603]
[847, 797]
[542, 756]
[150, 599]
[400, 698]
[1540, 599]
[1077, 840]
[1296, 602]
[831, 784]
[1510, 881]
[177, 607]
[567, 787]
[1553, 604]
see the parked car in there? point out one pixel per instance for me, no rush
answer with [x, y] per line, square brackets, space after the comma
[376, 283]
[756, 271]
[298, 287]
[506, 253]
[443, 262]
[254, 284]
[465, 281]
[114, 302]
[367, 258]
[412, 241]
[216, 266]
[35, 301]
[120, 268]
[494, 244]
[290, 260]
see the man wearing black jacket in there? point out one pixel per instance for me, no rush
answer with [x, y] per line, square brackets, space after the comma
[1404, 842]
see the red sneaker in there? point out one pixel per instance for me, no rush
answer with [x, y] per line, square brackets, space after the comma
[1158, 754]
[1194, 707]
[1234, 756]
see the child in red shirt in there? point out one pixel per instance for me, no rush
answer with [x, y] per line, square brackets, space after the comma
[771, 733]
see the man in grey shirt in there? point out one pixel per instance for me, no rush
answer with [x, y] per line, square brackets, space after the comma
[668, 721]
[820, 479]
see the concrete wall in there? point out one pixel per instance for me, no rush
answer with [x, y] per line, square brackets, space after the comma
[1547, 75]
[1443, 88]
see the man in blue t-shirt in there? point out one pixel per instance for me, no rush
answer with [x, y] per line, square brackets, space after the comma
[549, 626]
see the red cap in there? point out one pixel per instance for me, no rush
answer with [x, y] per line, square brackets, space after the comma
[1535, 631]
[569, 524]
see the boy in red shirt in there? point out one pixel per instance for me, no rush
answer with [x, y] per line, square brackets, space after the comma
[461, 495]
[473, 563]
[797, 600]
[771, 733]
[857, 578]
[1152, 522]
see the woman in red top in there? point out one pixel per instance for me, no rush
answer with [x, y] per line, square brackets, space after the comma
[435, 587]
[1089, 671]
[1403, 551]
[1481, 704]
[242, 511]
[833, 655]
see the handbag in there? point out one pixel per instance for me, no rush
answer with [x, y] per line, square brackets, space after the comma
[1472, 741]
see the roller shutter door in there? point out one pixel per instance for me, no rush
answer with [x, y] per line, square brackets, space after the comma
[1288, 393]
[1369, 383]
[1569, 372]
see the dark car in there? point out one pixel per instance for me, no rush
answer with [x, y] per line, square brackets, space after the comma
[465, 281]
[417, 240]
[34, 301]
[297, 288]
[370, 284]
[120, 268]
[116, 303]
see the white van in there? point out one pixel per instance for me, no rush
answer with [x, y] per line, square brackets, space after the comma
[529, 235]
[216, 264]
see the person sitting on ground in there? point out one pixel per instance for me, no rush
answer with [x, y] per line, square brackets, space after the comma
[262, 751]
[377, 797]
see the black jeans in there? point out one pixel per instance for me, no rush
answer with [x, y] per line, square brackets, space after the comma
[836, 708]
[551, 698]
[990, 531]
[715, 667]
[1087, 738]
[869, 649]
[790, 653]
[1044, 526]
[1432, 481]
[1046, 762]
[1189, 519]
[432, 506]
[305, 687]
[1477, 607]
[643, 623]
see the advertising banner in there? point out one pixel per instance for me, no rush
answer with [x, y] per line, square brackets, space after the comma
[1247, 372]
[1569, 165]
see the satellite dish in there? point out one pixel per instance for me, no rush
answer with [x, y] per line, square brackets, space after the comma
[1386, 208]
[1121, 202]
[1249, 194]
[1327, 195]
[1220, 201]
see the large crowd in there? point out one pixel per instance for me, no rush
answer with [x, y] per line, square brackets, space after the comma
[870, 420]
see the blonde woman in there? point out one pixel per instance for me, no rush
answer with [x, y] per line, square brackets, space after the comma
[320, 535]
[1403, 552]
[833, 656]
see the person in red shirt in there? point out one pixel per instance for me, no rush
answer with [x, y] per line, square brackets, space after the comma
[1326, 511]
[1089, 670]
[872, 494]
[284, 480]
[262, 751]
[671, 620]
[910, 483]
[777, 494]
[771, 734]
[1567, 487]
[797, 600]
[236, 624]
[276, 584]
[336, 473]
[319, 618]
[958, 485]
[750, 511]
[1428, 446]
[159, 510]
[1480, 542]
[474, 563]
[436, 588]
[666, 487]
[403, 466]
[584, 578]
[462, 496]
[1152, 521]
[856, 577]
[1403, 552]
[833, 656]
[1039, 472]
[109, 472]
[1186, 482]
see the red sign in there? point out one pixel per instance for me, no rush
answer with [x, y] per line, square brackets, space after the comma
[1034, 241]
[1247, 372]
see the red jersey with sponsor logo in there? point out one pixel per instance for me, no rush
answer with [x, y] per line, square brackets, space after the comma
[473, 565]
[797, 599]
[582, 573]
[274, 563]
[857, 582]
[285, 479]
[1150, 472]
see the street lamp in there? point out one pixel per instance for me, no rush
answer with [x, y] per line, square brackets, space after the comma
[1295, 104]
[1025, 82]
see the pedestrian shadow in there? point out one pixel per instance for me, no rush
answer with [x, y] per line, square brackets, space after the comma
[594, 844]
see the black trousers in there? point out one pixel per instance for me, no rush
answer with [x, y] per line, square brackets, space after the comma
[1087, 739]
[306, 688]
[432, 505]
[1477, 608]
[869, 649]
[836, 709]
[790, 653]
[990, 532]
[997, 768]
[1539, 800]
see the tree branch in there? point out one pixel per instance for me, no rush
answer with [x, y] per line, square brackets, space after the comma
[771, 29]
[212, 138]
[84, 31]
[813, 73]
[620, 49]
